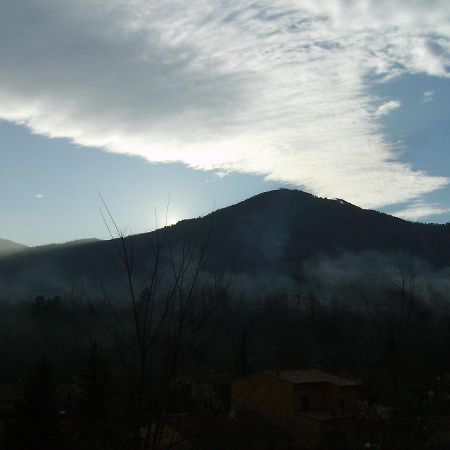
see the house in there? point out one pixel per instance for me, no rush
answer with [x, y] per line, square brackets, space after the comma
[309, 404]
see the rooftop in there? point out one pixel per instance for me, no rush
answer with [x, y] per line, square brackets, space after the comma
[311, 376]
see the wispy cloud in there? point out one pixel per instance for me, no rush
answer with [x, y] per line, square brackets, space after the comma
[387, 107]
[38, 196]
[428, 96]
[420, 210]
[278, 88]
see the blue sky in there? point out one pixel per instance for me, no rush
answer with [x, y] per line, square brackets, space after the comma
[212, 103]
[50, 189]
[421, 126]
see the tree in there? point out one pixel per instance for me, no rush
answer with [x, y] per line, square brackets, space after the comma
[156, 342]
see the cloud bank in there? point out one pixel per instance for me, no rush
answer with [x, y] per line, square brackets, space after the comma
[419, 210]
[277, 88]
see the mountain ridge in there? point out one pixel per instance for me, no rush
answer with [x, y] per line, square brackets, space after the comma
[273, 232]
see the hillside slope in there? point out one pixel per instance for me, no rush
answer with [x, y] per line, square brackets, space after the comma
[275, 231]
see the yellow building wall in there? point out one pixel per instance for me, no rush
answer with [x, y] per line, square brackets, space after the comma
[266, 395]
[317, 394]
[280, 401]
[326, 397]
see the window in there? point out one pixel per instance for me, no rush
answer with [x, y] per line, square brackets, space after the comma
[305, 403]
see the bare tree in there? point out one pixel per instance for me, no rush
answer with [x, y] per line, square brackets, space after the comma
[158, 340]
[406, 287]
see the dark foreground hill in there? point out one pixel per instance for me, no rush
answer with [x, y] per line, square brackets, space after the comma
[274, 234]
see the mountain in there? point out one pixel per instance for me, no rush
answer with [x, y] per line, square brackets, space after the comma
[9, 247]
[272, 235]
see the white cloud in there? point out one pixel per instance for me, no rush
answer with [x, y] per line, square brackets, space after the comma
[277, 87]
[428, 96]
[420, 210]
[38, 196]
[387, 107]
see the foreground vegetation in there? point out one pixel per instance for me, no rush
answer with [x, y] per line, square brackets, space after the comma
[82, 381]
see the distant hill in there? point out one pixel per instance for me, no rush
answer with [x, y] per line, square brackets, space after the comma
[272, 233]
[9, 247]
[65, 245]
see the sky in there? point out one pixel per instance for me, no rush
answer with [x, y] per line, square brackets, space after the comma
[200, 104]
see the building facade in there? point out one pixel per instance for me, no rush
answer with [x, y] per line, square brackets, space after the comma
[309, 404]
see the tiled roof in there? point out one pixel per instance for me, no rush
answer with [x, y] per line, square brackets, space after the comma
[311, 376]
